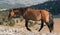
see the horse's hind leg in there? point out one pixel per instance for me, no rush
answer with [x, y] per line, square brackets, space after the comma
[42, 24]
[26, 24]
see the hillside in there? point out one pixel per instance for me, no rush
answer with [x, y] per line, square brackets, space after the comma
[52, 6]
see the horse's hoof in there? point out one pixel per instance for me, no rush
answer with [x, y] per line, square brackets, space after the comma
[28, 29]
[39, 30]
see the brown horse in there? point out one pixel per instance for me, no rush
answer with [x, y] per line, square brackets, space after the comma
[35, 15]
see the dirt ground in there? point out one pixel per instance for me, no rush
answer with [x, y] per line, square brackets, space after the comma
[57, 25]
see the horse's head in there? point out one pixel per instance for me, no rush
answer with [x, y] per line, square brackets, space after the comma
[13, 13]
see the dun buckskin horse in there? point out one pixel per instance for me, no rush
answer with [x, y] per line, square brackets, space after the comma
[36, 15]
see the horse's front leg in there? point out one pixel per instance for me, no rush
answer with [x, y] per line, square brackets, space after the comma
[26, 24]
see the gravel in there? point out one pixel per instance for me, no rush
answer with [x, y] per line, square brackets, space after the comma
[21, 31]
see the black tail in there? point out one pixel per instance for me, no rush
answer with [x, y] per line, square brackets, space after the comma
[50, 24]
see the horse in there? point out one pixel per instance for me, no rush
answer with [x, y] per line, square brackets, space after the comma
[36, 15]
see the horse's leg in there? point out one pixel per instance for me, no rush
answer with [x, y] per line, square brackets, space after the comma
[42, 24]
[26, 24]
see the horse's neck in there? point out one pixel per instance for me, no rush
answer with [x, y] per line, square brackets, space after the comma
[22, 12]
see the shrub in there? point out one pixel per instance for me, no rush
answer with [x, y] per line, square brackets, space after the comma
[1, 23]
[32, 24]
[12, 23]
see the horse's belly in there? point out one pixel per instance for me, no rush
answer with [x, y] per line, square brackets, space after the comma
[31, 16]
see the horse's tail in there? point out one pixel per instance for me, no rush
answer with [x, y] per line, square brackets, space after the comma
[51, 22]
